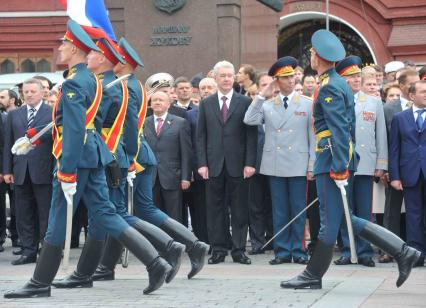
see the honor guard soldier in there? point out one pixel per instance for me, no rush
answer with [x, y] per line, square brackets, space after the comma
[81, 156]
[334, 125]
[117, 122]
[372, 147]
[288, 156]
[152, 217]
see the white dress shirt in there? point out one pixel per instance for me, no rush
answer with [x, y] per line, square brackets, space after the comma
[37, 107]
[228, 98]
[162, 117]
[289, 97]
[405, 103]
[416, 114]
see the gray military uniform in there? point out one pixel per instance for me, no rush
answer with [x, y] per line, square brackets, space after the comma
[289, 148]
[370, 135]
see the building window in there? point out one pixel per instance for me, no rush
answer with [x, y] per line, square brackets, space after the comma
[7, 67]
[43, 66]
[27, 66]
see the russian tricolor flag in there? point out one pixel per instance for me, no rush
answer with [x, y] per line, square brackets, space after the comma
[90, 14]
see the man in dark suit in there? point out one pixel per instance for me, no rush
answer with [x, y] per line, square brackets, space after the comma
[226, 155]
[408, 164]
[31, 174]
[393, 203]
[169, 138]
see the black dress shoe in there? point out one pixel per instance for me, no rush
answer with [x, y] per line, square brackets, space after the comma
[18, 252]
[369, 262]
[1, 248]
[257, 251]
[303, 281]
[216, 258]
[103, 273]
[74, 280]
[15, 243]
[300, 260]
[24, 260]
[30, 289]
[279, 260]
[241, 258]
[343, 261]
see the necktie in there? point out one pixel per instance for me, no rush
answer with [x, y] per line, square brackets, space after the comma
[31, 116]
[224, 109]
[159, 125]
[285, 99]
[419, 120]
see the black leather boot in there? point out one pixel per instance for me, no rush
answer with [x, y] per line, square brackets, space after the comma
[405, 256]
[196, 249]
[169, 249]
[82, 276]
[311, 277]
[46, 269]
[157, 267]
[110, 257]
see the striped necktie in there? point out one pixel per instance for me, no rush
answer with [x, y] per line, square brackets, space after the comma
[31, 116]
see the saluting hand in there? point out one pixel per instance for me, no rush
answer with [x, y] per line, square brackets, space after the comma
[269, 90]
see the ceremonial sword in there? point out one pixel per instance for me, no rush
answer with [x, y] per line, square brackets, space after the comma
[354, 258]
[289, 223]
[125, 262]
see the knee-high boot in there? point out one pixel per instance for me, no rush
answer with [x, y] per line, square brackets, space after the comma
[318, 265]
[196, 249]
[46, 269]
[387, 241]
[169, 249]
[110, 257]
[89, 260]
[157, 267]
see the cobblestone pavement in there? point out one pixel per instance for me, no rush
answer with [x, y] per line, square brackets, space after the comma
[227, 285]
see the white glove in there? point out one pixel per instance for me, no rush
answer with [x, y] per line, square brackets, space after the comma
[69, 190]
[341, 185]
[130, 177]
[22, 146]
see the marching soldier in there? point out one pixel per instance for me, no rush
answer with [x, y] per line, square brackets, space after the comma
[288, 156]
[81, 155]
[155, 224]
[372, 147]
[334, 125]
[117, 122]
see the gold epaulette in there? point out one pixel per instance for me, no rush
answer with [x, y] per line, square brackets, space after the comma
[307, 97]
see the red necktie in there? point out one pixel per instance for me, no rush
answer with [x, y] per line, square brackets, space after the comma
[159, 125]
[224, 109]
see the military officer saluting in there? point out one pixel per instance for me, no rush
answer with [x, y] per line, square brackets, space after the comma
[81, 155]
[288, 156]
[152, 218]
[372, 147]
[334, 126]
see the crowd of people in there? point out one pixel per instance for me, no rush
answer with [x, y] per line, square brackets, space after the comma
[250, 176]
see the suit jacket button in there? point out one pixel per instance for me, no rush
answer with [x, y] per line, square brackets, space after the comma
[290, 130]
[279, 130]
[289, 147]
[362, 145]
[278, 148]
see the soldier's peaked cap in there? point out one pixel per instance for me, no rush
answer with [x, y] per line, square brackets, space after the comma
[78, 37]
[110, 50]
[283, 67]
[349, 66]
[129, 54]
[328, 46]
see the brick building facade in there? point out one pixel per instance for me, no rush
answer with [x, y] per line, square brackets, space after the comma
[243, 31]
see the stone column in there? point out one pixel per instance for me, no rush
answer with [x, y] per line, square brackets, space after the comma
[229, 31]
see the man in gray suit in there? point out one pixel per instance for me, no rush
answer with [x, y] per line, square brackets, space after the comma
[170, 138]
[31, 174]
[288, 156]
[393, 203]
[372, 147]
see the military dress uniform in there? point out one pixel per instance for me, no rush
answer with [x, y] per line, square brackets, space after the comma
[288, 154]
[81, 156]
[116, 121]
[153, 223]
[372, 147]
[336, 161]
